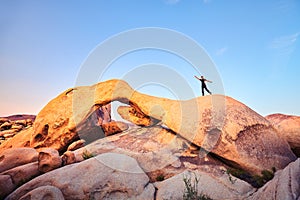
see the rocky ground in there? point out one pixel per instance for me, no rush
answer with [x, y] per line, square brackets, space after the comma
[10, 126]
[74, 150]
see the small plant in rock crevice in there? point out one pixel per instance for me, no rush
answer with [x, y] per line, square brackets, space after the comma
[86, 155]
[191, 189]
[160, 177]
[255, 180]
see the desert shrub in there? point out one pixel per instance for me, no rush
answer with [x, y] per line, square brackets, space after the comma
[230, 177]
[237, 173]
[191, 189]
[160, 177]
[87, 155]
[255, 180]
[267, 175]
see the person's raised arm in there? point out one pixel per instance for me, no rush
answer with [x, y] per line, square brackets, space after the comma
[197, 77]
[209, 81]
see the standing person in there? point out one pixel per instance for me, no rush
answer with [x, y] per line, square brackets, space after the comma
[203, 85]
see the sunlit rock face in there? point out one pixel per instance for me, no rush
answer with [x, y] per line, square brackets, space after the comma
[217, 123]
[288, 127]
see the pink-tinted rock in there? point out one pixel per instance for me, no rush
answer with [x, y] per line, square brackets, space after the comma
[21, 174]
[68, 158]
[6, 185]
[285, 185]
[95, 178]
[44, 192]
[49, 159]
[288, 127]
[14, 157]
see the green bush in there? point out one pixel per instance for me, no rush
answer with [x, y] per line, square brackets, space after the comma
[160, 177]
[267, 175]
[87, 155]
[255, 180]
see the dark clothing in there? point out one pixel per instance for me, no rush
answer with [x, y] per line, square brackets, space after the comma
[203, 86]
[203, 82]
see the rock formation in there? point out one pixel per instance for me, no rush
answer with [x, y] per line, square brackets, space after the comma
[49, 160]
[218, 124]
[91, 181]
[11, 158]
[12, 125]
[289, 128]
[55, 127]
[17, 166]
[22, 139]
[74, 142]
[216, 187]
[285, 185]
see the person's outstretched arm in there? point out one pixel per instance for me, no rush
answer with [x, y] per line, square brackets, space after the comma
[208, 81]
[197, 77]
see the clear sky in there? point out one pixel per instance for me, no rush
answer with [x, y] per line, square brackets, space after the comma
[254, 45]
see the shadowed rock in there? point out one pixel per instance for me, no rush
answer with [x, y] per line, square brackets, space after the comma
[6, 185]
[18, 175]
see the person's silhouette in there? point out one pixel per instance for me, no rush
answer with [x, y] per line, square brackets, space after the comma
[203, 85]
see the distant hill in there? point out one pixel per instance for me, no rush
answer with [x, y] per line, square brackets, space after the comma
[19, 117]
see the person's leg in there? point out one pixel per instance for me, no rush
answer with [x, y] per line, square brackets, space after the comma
[202, 91]
[207, 90]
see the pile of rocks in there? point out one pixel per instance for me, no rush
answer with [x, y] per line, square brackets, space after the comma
[20, 165]
[9, 128]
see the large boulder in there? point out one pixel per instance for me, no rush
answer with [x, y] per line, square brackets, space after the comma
[154, 148]
[18, 176]
[107, 176]
[215, 186]
[285, 185]
[14, 157]
[49, 159]
[6, 185]
[44, 192]
[288, 127]
[217, 123]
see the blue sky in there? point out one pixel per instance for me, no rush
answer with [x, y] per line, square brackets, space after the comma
[254, 45]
